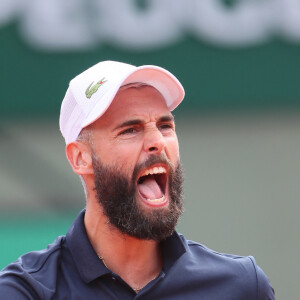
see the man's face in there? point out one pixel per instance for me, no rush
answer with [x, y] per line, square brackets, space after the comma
[137, 172]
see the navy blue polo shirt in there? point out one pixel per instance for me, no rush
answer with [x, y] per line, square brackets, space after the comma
[70, 269]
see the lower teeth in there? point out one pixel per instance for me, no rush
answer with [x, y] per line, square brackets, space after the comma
[156, 200]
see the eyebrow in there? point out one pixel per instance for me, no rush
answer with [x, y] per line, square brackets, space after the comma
[166, 118]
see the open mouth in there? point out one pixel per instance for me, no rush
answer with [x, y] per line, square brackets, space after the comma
[152, 185]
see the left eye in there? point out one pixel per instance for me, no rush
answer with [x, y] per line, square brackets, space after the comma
[165, 126]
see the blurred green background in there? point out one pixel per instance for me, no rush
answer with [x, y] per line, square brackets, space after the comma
[238, 127]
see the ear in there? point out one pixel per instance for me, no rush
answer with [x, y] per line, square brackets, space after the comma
[80, 157]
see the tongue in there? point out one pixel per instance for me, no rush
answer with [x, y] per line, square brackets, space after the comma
[150, 189]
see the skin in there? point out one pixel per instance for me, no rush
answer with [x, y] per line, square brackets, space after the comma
[151, 132]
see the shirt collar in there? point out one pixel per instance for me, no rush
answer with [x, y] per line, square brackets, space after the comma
[91, 267]
[173, 248]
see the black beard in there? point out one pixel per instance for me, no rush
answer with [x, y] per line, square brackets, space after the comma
[117, 194]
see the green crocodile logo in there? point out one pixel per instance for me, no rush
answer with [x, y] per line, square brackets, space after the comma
[93, 89]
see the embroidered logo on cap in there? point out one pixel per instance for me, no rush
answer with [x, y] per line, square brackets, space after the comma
[93, 89]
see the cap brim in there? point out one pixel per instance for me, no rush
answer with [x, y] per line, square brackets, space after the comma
[162, 80]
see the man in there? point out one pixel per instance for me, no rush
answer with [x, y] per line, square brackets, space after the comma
[120, 139]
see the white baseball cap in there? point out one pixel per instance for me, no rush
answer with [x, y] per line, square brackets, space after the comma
[90, 93]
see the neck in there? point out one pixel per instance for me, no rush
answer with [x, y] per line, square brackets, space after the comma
[136, 261]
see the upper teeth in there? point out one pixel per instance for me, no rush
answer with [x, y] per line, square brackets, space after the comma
[155, 170]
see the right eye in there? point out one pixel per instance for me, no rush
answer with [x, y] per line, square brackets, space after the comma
[130, 130]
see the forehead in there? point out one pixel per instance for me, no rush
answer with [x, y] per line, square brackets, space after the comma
[136, 101]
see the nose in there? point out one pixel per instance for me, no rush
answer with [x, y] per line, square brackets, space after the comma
[154, 142]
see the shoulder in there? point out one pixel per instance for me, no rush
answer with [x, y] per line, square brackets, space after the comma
[241, 271]
[33, 275]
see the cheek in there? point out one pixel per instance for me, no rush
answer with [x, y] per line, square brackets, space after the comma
[117, 152]
[173, 149]
[125, 156]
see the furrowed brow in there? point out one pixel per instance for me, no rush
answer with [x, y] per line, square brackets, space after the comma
[129, 123]
[167, 118]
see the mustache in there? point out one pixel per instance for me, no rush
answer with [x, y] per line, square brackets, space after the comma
[151, 160]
